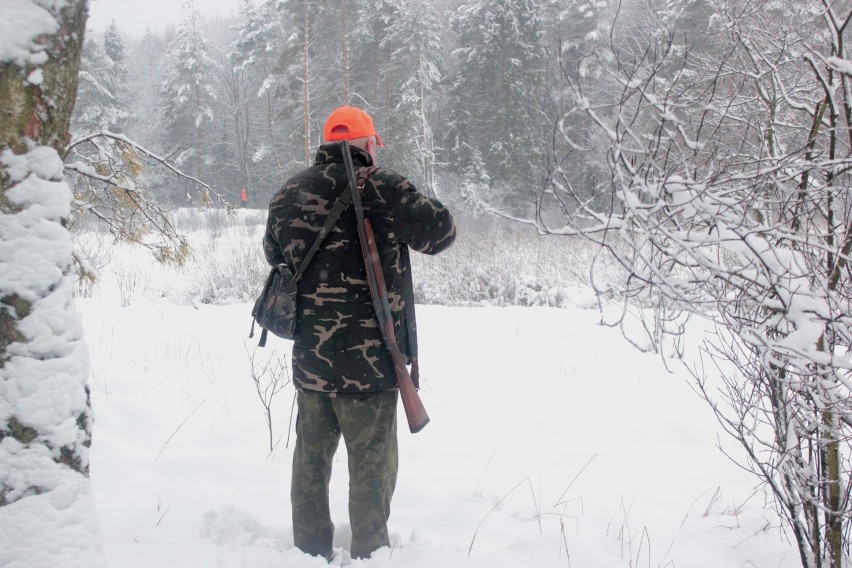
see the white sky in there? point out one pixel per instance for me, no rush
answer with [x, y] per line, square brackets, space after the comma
[134, 16]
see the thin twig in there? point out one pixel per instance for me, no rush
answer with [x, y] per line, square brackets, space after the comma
[163, 516]
[559, 501]
[178, 428]
[481, 477]
[537, 510]
[712, 500]
[686, 516]
[565, 541]
[470, 549]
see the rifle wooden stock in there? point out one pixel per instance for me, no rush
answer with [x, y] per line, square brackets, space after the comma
[415, 412]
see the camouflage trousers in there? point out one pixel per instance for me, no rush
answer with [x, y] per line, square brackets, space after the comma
[368, 427]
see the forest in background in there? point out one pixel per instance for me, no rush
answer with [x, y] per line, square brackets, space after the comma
[467, 95]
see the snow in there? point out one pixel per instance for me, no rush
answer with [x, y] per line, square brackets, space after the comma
[553, 442]
[49, 519]
[32, 242]
[50, 530]
[839, 64]
[23, 21]
[36, 77]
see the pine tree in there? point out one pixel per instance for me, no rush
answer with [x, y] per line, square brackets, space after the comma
[501, 107]
[102, 95]
[577, 29]
[413, 43]
[578, 26]
[370, 55]
[114, 44]
[234, 112]
[317, 43]
[264, 50]
[145, 75]
[189, 93]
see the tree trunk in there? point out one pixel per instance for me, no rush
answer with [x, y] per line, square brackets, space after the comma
[344, 17]
[832, 498]
[306, 91]
[45, 415]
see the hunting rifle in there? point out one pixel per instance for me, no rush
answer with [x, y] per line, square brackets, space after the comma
[415, 412]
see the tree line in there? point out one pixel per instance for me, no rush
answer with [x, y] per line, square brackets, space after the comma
[466, 94]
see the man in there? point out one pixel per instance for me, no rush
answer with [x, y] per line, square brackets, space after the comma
[341, 368]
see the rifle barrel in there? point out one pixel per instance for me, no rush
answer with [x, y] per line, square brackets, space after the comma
[415, 412]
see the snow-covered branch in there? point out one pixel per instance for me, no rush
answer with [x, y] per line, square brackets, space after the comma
[726, 196]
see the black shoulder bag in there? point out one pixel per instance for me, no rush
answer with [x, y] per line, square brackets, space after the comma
[275, 309]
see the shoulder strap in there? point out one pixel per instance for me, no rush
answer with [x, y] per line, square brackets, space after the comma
[336, 211]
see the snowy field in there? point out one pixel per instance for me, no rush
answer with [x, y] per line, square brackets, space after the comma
[553, 443]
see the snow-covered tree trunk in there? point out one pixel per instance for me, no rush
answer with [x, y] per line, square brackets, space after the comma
[409, 34]
[47, 513]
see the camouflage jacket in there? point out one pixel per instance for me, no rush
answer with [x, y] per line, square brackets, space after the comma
[338, 347]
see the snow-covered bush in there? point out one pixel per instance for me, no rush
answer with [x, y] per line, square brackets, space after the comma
[497, 262]
[493, 262]
[229, 272]
[227, 263]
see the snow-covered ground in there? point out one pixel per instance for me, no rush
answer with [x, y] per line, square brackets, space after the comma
[552, 443]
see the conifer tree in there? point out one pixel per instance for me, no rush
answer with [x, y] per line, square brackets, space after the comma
[264, 51]
[317, 46]
[145, 75]
[370, 55]
[577, 29]
[413, 44]
[114, 45]
[116, 173]
[188, 94]
[103, 96]
[502, 110]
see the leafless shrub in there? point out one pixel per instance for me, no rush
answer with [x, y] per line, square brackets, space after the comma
[269, 376]
[132, 283]
[727, 196]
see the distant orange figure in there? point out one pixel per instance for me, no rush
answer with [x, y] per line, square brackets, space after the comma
[243, 198]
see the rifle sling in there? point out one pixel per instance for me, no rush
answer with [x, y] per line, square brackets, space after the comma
[336, 211]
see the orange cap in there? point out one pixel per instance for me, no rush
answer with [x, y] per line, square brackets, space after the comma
[348, 123]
